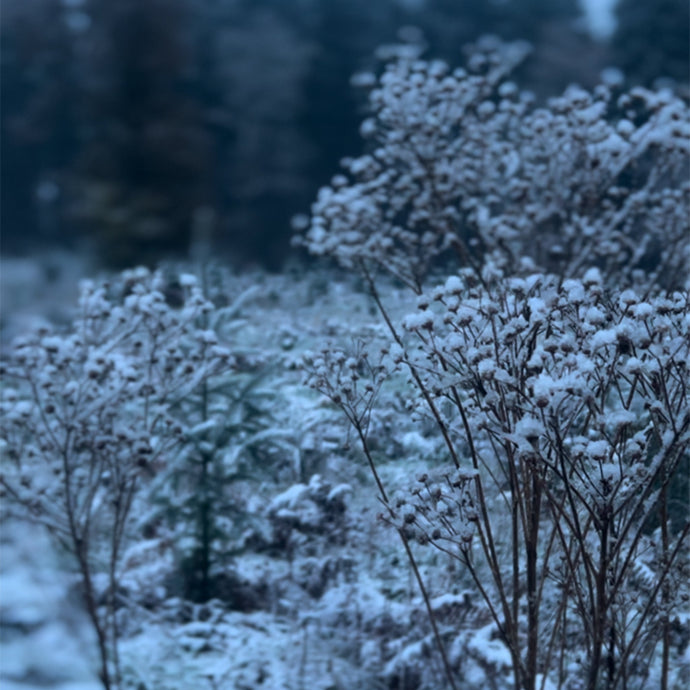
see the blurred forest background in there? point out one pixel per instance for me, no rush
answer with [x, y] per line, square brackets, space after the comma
[137, 130]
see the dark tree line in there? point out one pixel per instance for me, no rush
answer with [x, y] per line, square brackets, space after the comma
[140, 127]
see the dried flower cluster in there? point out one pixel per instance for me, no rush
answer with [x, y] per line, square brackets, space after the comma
[348, 377]
[462, 160]
[88, 416]
[554, 365]
[571, 407]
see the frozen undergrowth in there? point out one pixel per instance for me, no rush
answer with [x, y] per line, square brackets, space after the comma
[317, 592]
[38, 290]
[320, 594]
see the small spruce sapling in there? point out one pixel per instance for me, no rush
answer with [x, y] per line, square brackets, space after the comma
[231, 436]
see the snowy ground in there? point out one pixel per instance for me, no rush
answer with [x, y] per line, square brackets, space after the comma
[46, 638]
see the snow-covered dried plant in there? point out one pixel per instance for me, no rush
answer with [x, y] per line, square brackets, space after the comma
[568, 410]
[562, 403]
[87, 418]
[351, 379]
[461, 162]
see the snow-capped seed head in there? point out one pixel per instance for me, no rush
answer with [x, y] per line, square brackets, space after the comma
[486, 369]
[642, 311]
[592, 277]
[541, 398]
[567, 344]
[595, 316]
[464, 316]
[575, 291]
[627, 299]
[464, 474]
[634, 366]
[187, 280]
[531, 429]
[453, 286]
[208, 337]
[598, 450]
[415, 322]
[517, 286]
[551, 345]
[397, 353]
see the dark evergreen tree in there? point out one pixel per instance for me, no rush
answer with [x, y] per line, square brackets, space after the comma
[553, 27]
[652, 40]
[39, 118]
[142, 163]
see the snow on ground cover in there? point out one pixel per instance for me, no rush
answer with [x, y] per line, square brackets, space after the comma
[243, 651]
[38, 291]
[320, 585]
[45, 639]
[320, 595]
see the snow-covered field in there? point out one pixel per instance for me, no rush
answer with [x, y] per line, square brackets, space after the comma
[312, 591]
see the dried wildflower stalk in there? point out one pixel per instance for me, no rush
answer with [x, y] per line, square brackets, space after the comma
[572, 410]
[461, 163]
[88, 420]
[351, 381]
[566, 416]
[562, 402]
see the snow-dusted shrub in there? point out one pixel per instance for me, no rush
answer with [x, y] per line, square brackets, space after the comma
[568, 407]
[562, 401]
[565, 411]
[87, 418]
[461, 162]
[317, 508]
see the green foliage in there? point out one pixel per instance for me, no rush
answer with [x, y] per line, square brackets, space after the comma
[233, 443]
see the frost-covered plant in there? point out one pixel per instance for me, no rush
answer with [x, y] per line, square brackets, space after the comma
[232, 435]
[562, 404]
[565, 411]
[461, 162]
[351, 379]
[574, 405]
[304, 512]
[87, 418]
